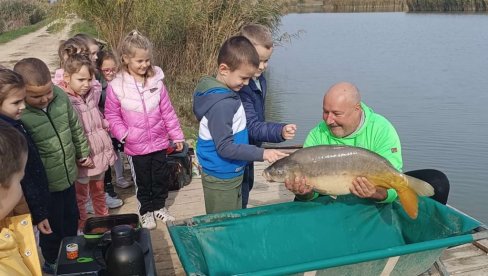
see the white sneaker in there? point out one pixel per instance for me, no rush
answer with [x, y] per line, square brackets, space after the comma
[122, 183]
[148, 221]
[164, 215]
[89, 207]
[113, 202]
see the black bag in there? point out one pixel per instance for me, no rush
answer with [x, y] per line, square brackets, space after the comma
[180, 166]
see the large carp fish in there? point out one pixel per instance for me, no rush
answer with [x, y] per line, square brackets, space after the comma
[331, 169]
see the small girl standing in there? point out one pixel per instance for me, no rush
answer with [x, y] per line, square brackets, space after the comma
[78, 74]
[141, 116]
[107, 69]
[34, 183]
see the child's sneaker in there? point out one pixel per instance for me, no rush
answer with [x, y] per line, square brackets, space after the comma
[122, 183]
[164, 215]
[109, 188]
[48, 268]
[113, 202]
[148, 221]
[89, 207]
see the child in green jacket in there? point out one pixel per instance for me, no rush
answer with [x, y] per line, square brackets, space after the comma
[54, 127]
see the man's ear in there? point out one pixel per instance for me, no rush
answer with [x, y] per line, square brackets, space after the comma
[66, 77]
[224, 69]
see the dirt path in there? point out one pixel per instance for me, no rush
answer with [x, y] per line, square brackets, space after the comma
[39, 44]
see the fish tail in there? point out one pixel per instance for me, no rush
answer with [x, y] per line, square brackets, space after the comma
[408, 199]
[421, 187]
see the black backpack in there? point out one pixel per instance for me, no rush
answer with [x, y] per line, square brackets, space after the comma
[180, 166]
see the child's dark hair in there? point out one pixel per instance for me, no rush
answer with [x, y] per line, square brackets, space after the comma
[13, 150]
[104, 55]
[88, 39]
[70, 46]
[9, 80]
[34, 71]
[75, 62]
[258, 35]
[237, 51]
[126, 48]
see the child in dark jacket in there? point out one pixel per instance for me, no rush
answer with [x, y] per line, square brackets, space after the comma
[253, 98]
[34, 184]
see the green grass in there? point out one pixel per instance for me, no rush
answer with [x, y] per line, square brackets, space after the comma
[56, 27]
[11, 35]
[84, 27]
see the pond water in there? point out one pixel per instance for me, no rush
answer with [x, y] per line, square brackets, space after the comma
[426, 73]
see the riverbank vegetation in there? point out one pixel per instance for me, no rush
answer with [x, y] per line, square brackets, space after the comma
[186, 34]
[386, 5]
[19, 17]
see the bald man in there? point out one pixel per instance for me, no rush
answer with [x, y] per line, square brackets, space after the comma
[348, 121]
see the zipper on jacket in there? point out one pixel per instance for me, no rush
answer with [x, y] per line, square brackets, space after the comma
[146, 118]
[61, 144]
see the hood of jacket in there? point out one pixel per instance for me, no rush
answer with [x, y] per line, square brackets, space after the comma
[208, 92]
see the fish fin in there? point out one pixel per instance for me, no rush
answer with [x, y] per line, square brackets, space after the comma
[408, 199]
[421, 187]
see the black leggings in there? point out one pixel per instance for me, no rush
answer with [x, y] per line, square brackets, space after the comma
[437, 179]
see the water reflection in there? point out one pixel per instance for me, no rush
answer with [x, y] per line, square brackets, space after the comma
[424, 72]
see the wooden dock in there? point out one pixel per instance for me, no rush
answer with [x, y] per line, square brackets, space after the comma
[467, 259]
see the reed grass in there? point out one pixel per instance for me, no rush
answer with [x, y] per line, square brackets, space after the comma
[186, 34]
[385, 5]
[15, 14]
[84, 27]
[447, 5]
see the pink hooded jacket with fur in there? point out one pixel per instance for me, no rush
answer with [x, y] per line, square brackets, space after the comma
[143, 118]
[95, 127]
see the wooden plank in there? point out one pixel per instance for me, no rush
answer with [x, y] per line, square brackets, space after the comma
[478, 272]
[461, 251]
[390, 265]
[469, 263]
[482, 244]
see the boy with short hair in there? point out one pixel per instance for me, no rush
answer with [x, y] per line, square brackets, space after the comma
[17, 234]
[223, 145]
[253, 99]
[54, 127]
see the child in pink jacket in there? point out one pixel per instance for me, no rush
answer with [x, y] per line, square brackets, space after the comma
[77, 83]
[141, 116]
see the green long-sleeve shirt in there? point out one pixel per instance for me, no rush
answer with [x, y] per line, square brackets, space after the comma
[376, 134]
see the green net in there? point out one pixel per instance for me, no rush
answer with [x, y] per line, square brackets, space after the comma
[345, 236]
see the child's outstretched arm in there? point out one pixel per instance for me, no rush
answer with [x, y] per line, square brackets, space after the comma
[260, 131]
[113, 114]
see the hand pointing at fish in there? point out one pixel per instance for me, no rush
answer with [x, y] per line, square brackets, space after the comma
[272, 155]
